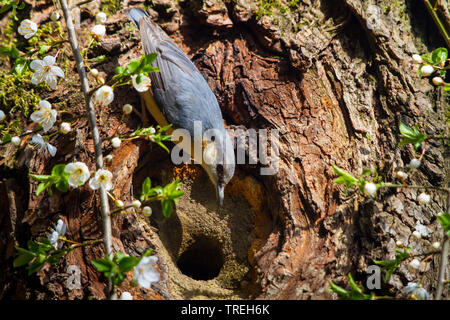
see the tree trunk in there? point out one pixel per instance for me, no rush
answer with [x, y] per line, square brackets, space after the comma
[333, 77]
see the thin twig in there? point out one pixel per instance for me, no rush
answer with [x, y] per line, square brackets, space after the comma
[438, 22]
[444, 259]
[104, 205]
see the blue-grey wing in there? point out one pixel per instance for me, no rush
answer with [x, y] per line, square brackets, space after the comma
[179, 88]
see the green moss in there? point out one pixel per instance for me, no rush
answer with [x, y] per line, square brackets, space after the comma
[266, 8]
[111, 6]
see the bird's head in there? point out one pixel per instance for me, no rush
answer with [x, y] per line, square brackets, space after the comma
[218, 162]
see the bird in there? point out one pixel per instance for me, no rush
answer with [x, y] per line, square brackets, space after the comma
[181, 96]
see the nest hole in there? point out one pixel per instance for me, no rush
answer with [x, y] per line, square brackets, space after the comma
[202, 260]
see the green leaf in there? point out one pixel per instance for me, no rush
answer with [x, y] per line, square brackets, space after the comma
[119, 70]
[24, 257]
[6, 138]
[133, 66]
[62, 185]
[344, 177]
[5, 8]
[341, 292]
[103, 265]
[39, 177]
[58, 170]
[444, 220]
[167, 207]
[447, 87]
[43, 49]
[20, 66]
[41, 187]
[128, 263]
[410, 135]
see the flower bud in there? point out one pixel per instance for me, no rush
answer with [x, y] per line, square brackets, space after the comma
[370, 189]
[126, 296]
[115, 142]
[147, 211]
[94, 72]
[416, 234]
[437, 81]
[136, 204]
[127, 108]
[15, 140]
[423, 198]
[401, 175]
[101, 17]
[436, 245]
[99, 30]
[414, 163]
[414, 264]
[417, 58]
[2, 115]
[55, 16]
[399, 243]
[65, 127]
[426, 71]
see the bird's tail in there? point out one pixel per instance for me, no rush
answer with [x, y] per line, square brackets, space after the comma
[135, 14]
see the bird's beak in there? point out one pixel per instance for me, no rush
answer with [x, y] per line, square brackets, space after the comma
[220, 194]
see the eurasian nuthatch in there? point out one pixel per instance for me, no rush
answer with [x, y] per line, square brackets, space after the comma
[184, 97]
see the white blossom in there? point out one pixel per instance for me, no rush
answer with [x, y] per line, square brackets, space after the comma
[416, 292]
[65, 127]
[437, 81]
[45, 71]
[127, 108]
[42, 145]
[2, 115]
[417, 58]
[27, 28]
[370, 189]
[44, 115]
[59, 230]
[436, 245]
[423, 198]
[136, 204]
[414, 163]
[104, 95]
[78, 173]
[144, 85]
[102, 178]
[147, 211]
[101, 17]
[99, 30]
[426, 70]
[126, 296]
[16, 140]
[116, 142]
[398, 243]
[145, 273]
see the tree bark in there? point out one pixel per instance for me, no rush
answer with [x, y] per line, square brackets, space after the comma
[334, 77]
